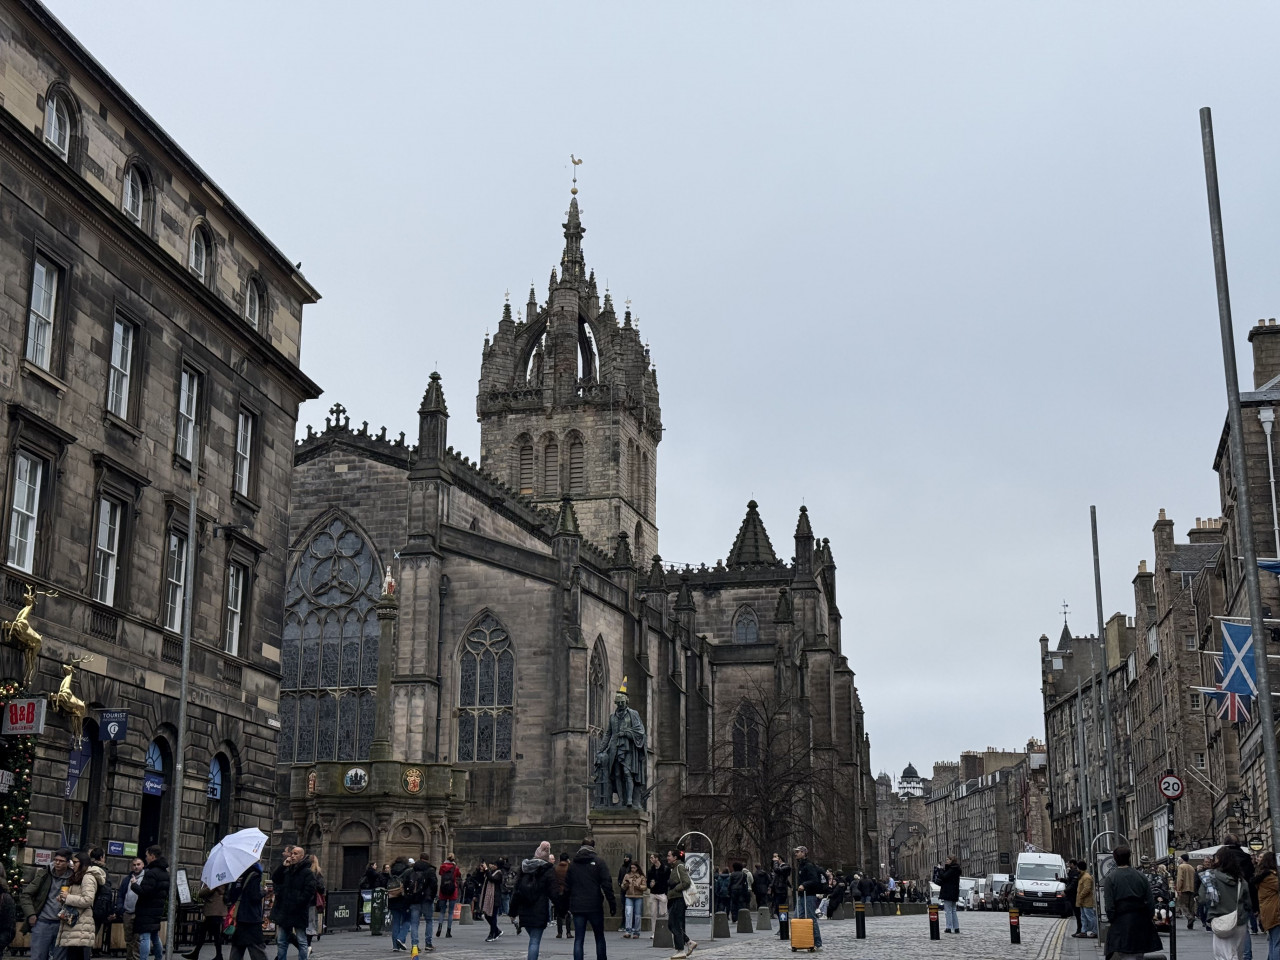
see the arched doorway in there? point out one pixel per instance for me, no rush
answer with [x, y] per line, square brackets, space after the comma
[356, 841]
[81, 798]
[217, 800]
[156, 782]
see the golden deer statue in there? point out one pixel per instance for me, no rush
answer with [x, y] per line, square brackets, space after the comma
[21, 634]
[67, 702]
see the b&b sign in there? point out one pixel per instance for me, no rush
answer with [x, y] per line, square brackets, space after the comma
[23, 717]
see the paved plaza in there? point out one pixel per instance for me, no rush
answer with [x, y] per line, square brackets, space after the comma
[985, 936]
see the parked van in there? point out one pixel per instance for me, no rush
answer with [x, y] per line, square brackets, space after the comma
[995, 886]
[977, 893]
[967, 887]
[1039, 885]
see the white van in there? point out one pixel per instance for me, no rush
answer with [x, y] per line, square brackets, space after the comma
[995, 885]
[1039, 885]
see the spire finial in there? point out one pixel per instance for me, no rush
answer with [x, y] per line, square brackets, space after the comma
[576, 164]
[507, 295]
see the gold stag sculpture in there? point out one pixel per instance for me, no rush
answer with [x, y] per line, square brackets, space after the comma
[21, 634]
[67, 702]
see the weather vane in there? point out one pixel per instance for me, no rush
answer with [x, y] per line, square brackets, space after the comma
[576, 164]
[1064, 613]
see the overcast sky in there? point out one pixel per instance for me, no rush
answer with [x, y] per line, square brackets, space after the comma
[939, 271]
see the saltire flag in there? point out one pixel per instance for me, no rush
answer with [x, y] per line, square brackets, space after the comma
[1271, 566]
[1235, 674]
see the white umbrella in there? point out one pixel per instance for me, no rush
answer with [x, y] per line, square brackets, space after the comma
[232, 856]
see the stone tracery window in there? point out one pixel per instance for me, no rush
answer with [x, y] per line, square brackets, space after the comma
[746, 626]
[486, 693]
[329, 648]
[746, 739]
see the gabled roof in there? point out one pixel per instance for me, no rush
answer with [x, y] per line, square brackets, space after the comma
[752, 546]
[1192, 557]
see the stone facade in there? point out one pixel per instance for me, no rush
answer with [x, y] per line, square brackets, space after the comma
[900, 816]
[529, 589]
[108, 312]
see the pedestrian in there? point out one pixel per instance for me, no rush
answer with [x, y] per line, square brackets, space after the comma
[397, 902]
[103, 899]
[588, 884]
[245, 899]
[838, 888]
[865, 889]
[315, 913]
[949, 892]
[1087, 903]
[447, 894]
[126, 903]
[759, 888]
[1268, 902]
[659, 877]
[152, 889]
[739, 890]
[425, 887]
[77, 929]
[1131, 904]
[215, 912]
[1185, 888]
[491, 898]
[8, 913]
[680, 885]
[721, 890]
[1070, 884]
[809, 886]
[1230, 906]
[633, 888]
[1231, 850]
[623, 871]
[40, 906]
[779, 885]
[508, 883]
[560, 900]
[531, 897]
[295, 893]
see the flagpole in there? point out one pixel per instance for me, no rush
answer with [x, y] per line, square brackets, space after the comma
[1239, 470]
[1106, 683]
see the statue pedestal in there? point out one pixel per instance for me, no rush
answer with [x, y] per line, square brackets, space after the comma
[620, 831]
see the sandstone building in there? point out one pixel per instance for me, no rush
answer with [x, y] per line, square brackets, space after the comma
[142, 309]
[529, 589]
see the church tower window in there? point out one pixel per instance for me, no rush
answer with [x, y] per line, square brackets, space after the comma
[746, 626]
[551, 469]
[746, 740]
[577, 469]
[329, 648]
[526, 469]
[486, 694]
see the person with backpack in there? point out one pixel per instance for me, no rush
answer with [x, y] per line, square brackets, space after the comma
[424, 886]
[215, 912]
[396, 903]
[103, 899]
[126, 904]
[810, 885]
[531, 896]
[589, 883]
[739, 890]
[447, 894]
[679, 884]
[722, 890]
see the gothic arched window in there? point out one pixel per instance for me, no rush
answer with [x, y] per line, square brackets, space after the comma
[746, 739]
[329, 648]
[577, 468]
[746, 627]
[524, 479]
[597, 690]
[486, 693]
[551, 469]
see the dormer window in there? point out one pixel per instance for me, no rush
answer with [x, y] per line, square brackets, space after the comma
[57, 126]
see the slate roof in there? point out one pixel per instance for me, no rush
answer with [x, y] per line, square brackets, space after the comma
[1192, 557]
[752, 546]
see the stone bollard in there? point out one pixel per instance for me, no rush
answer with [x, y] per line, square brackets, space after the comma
[744, 921]
[846, 911]
[763, 920]
[662, 937]
[466, 915]
[720, 926]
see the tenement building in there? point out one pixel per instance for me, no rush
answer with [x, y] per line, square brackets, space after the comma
[509, 599]
[150, 331]
[900, 816]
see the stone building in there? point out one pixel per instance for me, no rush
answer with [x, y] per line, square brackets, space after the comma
[149, 327]
[900, 817]
[529, 590]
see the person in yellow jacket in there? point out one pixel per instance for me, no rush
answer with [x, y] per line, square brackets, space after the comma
[1087, 904]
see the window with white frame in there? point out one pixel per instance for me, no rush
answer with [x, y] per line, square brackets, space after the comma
[57, 126]
[175, 581]
[1189, 641]
[1195, 700]
[1199, 759]
[106, 552]
[133, 195]
[244, 449]
[237, 580]
[253, 304]
[44, 301]
[198, 257]
[188, 396]
[24, 517]
[121, 370]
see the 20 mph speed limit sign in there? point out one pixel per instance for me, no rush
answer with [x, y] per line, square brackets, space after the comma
[1170, 786]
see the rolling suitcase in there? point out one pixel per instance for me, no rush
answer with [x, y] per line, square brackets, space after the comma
[801, 929]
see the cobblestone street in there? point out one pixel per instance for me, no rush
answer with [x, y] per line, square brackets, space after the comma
[985, 937]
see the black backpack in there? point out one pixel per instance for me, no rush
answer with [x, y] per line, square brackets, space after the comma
[448, 886]
[528, 889]
[103, 904]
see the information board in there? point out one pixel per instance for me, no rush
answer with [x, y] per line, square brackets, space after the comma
[699, 865]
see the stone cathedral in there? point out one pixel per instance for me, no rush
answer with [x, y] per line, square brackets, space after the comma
[455, 631]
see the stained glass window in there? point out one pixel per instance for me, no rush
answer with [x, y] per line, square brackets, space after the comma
[746, 628]
[329, 647]
[596, 690]
[486, 694]
[746, 740]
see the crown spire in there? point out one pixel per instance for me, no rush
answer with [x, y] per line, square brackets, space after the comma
[572, 264]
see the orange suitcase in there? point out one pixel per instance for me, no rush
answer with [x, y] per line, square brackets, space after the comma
[801, 934]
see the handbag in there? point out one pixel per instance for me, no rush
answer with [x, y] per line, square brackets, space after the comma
[229, 921]
[1225, 925]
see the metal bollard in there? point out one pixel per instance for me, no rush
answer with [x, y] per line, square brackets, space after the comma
[860, 919]
[1015, 931]
[934, 932]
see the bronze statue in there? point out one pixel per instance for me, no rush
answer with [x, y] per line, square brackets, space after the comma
[620, 764]
[67, 702]
[21, 634]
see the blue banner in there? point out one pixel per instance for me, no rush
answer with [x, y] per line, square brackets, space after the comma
[153, 784]
[113, 724]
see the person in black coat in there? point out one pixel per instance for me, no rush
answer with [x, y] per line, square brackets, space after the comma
[760, 887]
[949, 892]
[779, 885]
[152, 889]
[1070, 886]
[422, 903]
[587, 883]
[1130, 906]
[531, 898]
[295, 892]
[246, 895]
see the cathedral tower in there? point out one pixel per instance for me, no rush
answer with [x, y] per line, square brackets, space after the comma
[568, 406]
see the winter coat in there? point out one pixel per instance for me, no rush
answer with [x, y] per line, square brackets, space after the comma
[760, 886]
[1268, 899]
[865, 887]
[424, 880]
[1233, 896]
[215, 901]
[1130, 906]
[533, 911]
[1084, 891]
[1186, 882]
[634, 885]
[809, 877]
[780, 884]
[659, 877]
[1245, 861]
[8, 920]
[949, 883]
[247, 893]
[680, 880]
[80, 897]
[560, 888]
[295, 895]
[152, 889]
[399, 871]
[740, 885]
[1070, 886]
[491, 894]
[34, 895]
[586, 881]
[449, 869]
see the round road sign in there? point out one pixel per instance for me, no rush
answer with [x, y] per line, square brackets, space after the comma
[1256, 844]
[1171, 786]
